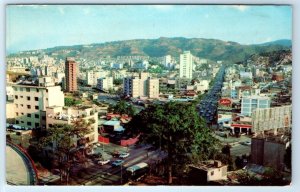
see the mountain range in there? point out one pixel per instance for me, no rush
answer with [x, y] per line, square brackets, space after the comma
[211, 49]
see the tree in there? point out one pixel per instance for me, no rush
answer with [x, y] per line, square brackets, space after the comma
[70, 102]
[118, 81]
[177, 129]
[122, 107]
[63, 140]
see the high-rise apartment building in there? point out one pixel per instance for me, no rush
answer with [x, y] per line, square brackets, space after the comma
[249, 104]
[153, 88]
[71, 74]
[28, 108]
[186, 65]
[104, 84]
[142, 86]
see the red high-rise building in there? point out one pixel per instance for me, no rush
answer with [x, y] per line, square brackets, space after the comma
[71, 74]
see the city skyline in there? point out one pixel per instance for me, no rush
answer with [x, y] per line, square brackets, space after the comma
[80, 24]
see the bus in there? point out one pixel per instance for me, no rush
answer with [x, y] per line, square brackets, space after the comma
[135, 172]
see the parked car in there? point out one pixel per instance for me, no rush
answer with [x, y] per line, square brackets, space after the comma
[117, 163]
[124, 155]
[103, 162]
[247, 142]
[115, 153]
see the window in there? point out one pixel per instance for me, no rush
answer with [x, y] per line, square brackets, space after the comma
[28, 98]
[17, 114]
[36, 107]
[50, 125]
[37, 90]
[46, 90]
[21, 96]
[28, 107]
[22, 105]
[36, 98]
[28, 115]
[37, 116]
[27, 89]
[212, 173]
[17, 122]
[17, 105]
[16, 96]
[36, 124]
[29, 123]
[43, 117]
[22, 113]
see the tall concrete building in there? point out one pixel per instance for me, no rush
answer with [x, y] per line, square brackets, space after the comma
[71, 74]
[249, 104]
[104, 84]
[186, 65]
[28, 109]
[142, 86]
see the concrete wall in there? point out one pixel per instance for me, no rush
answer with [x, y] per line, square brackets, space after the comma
[274, 155]
[215, 174]
[257, 151]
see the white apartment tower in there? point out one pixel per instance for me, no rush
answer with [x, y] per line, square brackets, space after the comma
[104, 84]
[186, 65]
[30, 102]
[142, 86]
[167, 60]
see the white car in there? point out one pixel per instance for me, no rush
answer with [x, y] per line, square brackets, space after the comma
[103, 162]
[124, 155]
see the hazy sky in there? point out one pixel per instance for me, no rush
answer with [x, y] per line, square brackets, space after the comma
[42, 26]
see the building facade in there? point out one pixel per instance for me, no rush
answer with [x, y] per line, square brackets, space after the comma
[30, 102]
[68, 115]
[186, 65]
[142, 86]
[249, 104]
[70, 75]
[104, 84]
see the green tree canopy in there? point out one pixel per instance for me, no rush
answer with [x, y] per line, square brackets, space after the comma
[64, 140]
[177, 129]
[122, 107]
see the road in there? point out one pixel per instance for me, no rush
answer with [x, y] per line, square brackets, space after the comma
[209, 104]
[95, 174]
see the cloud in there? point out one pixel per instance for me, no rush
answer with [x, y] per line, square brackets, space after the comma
[206, 15]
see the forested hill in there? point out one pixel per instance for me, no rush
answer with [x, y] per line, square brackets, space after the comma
[212, 49]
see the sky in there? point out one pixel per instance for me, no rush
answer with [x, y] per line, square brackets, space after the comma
[30, 27]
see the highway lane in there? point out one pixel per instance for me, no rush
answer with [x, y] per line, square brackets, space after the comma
[209, 104]
[107, 175]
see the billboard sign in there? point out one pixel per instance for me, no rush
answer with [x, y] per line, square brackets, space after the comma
[225, 101]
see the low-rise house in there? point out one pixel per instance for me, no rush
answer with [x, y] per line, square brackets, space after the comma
[207, 171]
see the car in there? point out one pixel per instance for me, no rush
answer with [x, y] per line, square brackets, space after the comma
[98, 144]
[247, 142]
[124, 155]
[117, 163]
[103, 162]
